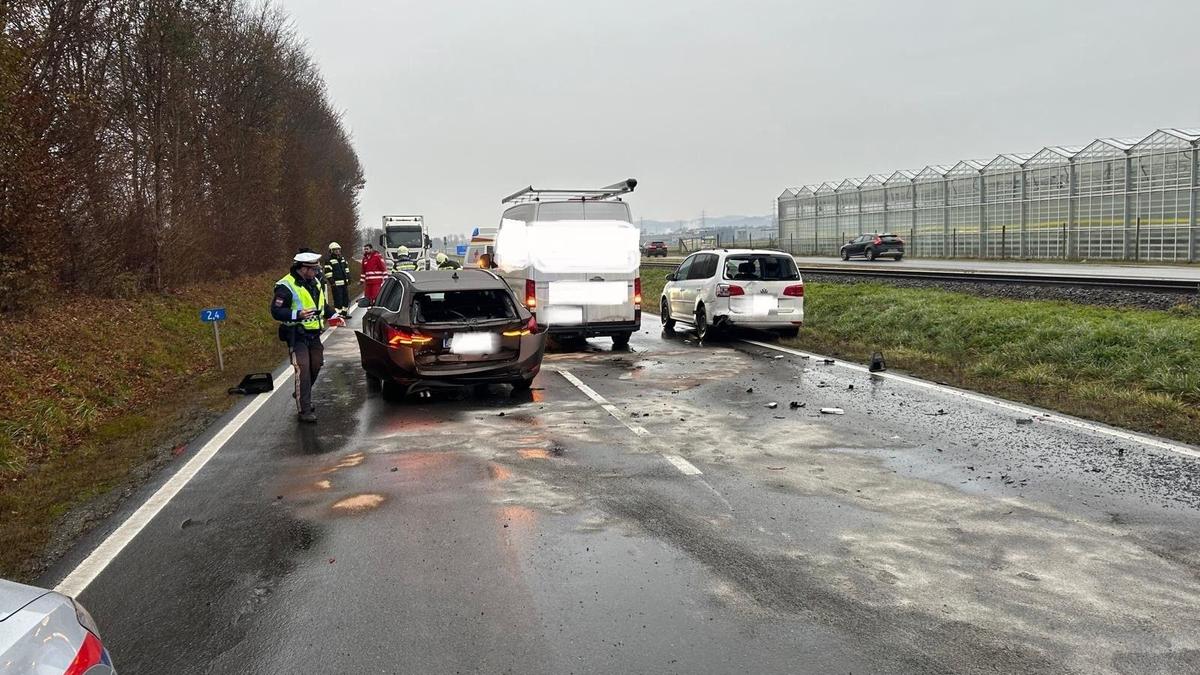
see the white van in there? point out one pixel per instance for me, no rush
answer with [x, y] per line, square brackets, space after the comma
[572, 256]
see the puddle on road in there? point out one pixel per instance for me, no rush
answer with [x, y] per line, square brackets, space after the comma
[346, 463]
[322, 485]
[358, 503]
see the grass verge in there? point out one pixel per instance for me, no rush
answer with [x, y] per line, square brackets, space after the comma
[1132, 368]
[100, 392]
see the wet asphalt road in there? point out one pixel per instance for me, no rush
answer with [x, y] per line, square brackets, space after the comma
[479, 533]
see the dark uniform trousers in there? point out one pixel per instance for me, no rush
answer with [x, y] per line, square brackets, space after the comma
[307, 355]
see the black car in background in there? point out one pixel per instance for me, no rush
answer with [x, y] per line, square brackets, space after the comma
[448, 328]
[871, 246]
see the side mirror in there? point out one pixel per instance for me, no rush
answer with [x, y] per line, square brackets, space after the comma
[671, 277]
[428, 242]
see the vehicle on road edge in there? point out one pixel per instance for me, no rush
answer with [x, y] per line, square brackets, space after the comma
[716, 290]
[48, 632]
[655, 248]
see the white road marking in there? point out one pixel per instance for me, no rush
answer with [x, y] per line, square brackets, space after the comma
[685, 467]
[100, 557]
[1057, 418]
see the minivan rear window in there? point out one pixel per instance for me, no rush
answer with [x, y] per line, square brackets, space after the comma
[763, 267]
[463, 306]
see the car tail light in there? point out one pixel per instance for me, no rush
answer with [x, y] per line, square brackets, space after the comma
[530, 328]
[729, 290]
[91, 653]
[398, 337]
[637, 292]
[877, 241]
[794, 291]
[531, 294]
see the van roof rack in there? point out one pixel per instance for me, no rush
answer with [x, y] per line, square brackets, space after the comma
[532, 194]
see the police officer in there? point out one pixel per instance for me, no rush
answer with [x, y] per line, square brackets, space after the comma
[300, 308]
[445, 263]
[337, 277]
[403, 261]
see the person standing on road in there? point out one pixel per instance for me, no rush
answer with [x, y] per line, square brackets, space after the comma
[374, 271]
[337, 276]
[445, 263]
[404, 261]
[300, 308]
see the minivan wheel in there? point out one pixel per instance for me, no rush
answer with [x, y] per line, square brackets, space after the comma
[871, 254]
[664, 313]
[702, 327]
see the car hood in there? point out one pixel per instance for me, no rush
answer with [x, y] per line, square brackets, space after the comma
[14, 596]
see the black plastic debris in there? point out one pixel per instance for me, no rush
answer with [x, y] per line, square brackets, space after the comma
[877, 363]
[796, 405]
[254, 383]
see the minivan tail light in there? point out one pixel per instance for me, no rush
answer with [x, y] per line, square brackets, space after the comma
[637, 292]
[729, 290]
[531, 294]
[398, 337]
[794, 291]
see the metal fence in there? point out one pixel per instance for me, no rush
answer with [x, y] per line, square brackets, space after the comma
[1112, 199]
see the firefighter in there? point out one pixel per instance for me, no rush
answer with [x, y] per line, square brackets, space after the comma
[445, 263]
[374, 271]
[337, 277]
[300, 308]
[404, 262]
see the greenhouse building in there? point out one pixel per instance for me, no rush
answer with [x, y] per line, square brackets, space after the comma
[1112, 199]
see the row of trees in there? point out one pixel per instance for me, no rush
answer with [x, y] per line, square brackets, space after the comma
[146, 143]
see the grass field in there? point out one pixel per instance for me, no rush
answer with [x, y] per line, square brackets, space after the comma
[1133, 368]
[98, 389]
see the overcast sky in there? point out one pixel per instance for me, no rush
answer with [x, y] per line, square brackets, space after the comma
[719, 105]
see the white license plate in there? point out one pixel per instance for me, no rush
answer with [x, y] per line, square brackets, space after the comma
[588, 292]
[560, 315]
[474, 343]
[764, 304]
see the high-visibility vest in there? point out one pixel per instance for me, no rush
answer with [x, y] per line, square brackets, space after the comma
[406, 264]
[302, 300]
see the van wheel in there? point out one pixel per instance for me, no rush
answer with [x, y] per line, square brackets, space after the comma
[621, 340]
[664, 313]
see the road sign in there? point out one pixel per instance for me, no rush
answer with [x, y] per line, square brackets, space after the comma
[461, 249]
[215, 315]
[212, 314]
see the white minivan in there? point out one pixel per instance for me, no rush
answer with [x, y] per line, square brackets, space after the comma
[718, 289]
[573, 258]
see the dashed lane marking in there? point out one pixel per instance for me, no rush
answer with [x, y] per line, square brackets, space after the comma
[685, 467]
[86, 572]
[1057, 418]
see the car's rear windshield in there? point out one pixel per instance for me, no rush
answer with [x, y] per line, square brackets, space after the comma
[761, 267]
[463, 306]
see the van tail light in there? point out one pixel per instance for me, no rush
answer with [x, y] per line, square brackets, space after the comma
[877, 241]
[637, 293]
[530, 328]
[398, 337]
[531, 295]
[729, 290]
[90, 654]
[794, 291]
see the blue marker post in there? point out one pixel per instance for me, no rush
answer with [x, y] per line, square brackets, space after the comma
[215, 315]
